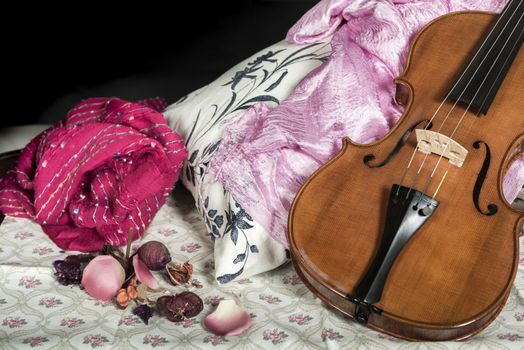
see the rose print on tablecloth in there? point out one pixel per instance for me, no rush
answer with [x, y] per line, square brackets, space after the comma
[275, 336]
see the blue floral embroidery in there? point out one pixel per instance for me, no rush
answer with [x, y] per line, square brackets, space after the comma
[237, 223]
[251, 73]
[213, 221]
[252, 67]
[266, 71]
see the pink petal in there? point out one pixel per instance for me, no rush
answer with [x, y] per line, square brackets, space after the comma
[228, 319]
[103, 277]
[143, 274]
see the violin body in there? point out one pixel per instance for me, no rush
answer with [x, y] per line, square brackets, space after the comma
[453, 276]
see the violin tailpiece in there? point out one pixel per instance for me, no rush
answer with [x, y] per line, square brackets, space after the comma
[408, 210]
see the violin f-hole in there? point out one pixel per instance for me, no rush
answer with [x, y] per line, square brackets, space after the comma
[492, 208]
[368, 158]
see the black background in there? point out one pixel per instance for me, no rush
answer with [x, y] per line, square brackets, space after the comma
[53, 57]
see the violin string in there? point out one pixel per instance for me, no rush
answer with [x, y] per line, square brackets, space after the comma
[479, 110]
[441, 182]
[498, 75]
[454, 105]
[473, 99]
[503, 13]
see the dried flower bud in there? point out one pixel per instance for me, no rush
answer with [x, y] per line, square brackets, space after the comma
[154, 254]
[79, 259]
[122, 298]
[69, 271]
[67, 274]
[72, 260]
[131, 292]
[144, 312]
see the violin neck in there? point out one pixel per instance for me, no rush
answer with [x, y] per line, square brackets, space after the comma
[484, 72]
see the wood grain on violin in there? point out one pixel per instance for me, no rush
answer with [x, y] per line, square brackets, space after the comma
[414, 237]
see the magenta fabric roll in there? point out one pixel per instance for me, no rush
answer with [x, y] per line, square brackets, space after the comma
[267, 154]
[107, 168]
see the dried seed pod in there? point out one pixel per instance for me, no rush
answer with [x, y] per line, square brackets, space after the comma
[180, 273]
[154, 254]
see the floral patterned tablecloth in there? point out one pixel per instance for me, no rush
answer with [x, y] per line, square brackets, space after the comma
[38, 313]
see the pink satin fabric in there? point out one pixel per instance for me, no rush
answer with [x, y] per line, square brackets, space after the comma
[107, 168]
[267, 154]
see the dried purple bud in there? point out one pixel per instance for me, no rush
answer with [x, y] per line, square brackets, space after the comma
[69, 271]
[154, 254]
[85, 258]
[72, 260]
[180, 307]
[79, 259]
[67, 274]
[144, 312]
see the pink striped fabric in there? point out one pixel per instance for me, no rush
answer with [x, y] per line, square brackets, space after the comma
[107, 168]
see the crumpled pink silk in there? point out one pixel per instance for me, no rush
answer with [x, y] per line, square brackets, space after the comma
[349, 95]
[107, 168]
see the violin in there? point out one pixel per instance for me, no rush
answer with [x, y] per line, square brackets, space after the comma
[412, 235]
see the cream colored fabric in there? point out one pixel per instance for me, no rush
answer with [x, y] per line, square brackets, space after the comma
[242, 246]
[38, 313]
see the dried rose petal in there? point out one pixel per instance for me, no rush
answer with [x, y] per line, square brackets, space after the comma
[143, 274]
[154, 254]
[103, 277]
[180, 273]
[177, 308]
[228, 319]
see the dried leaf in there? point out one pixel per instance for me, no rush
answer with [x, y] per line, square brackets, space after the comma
[141, 291]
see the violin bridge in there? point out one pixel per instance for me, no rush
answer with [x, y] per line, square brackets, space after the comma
[434, 142]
